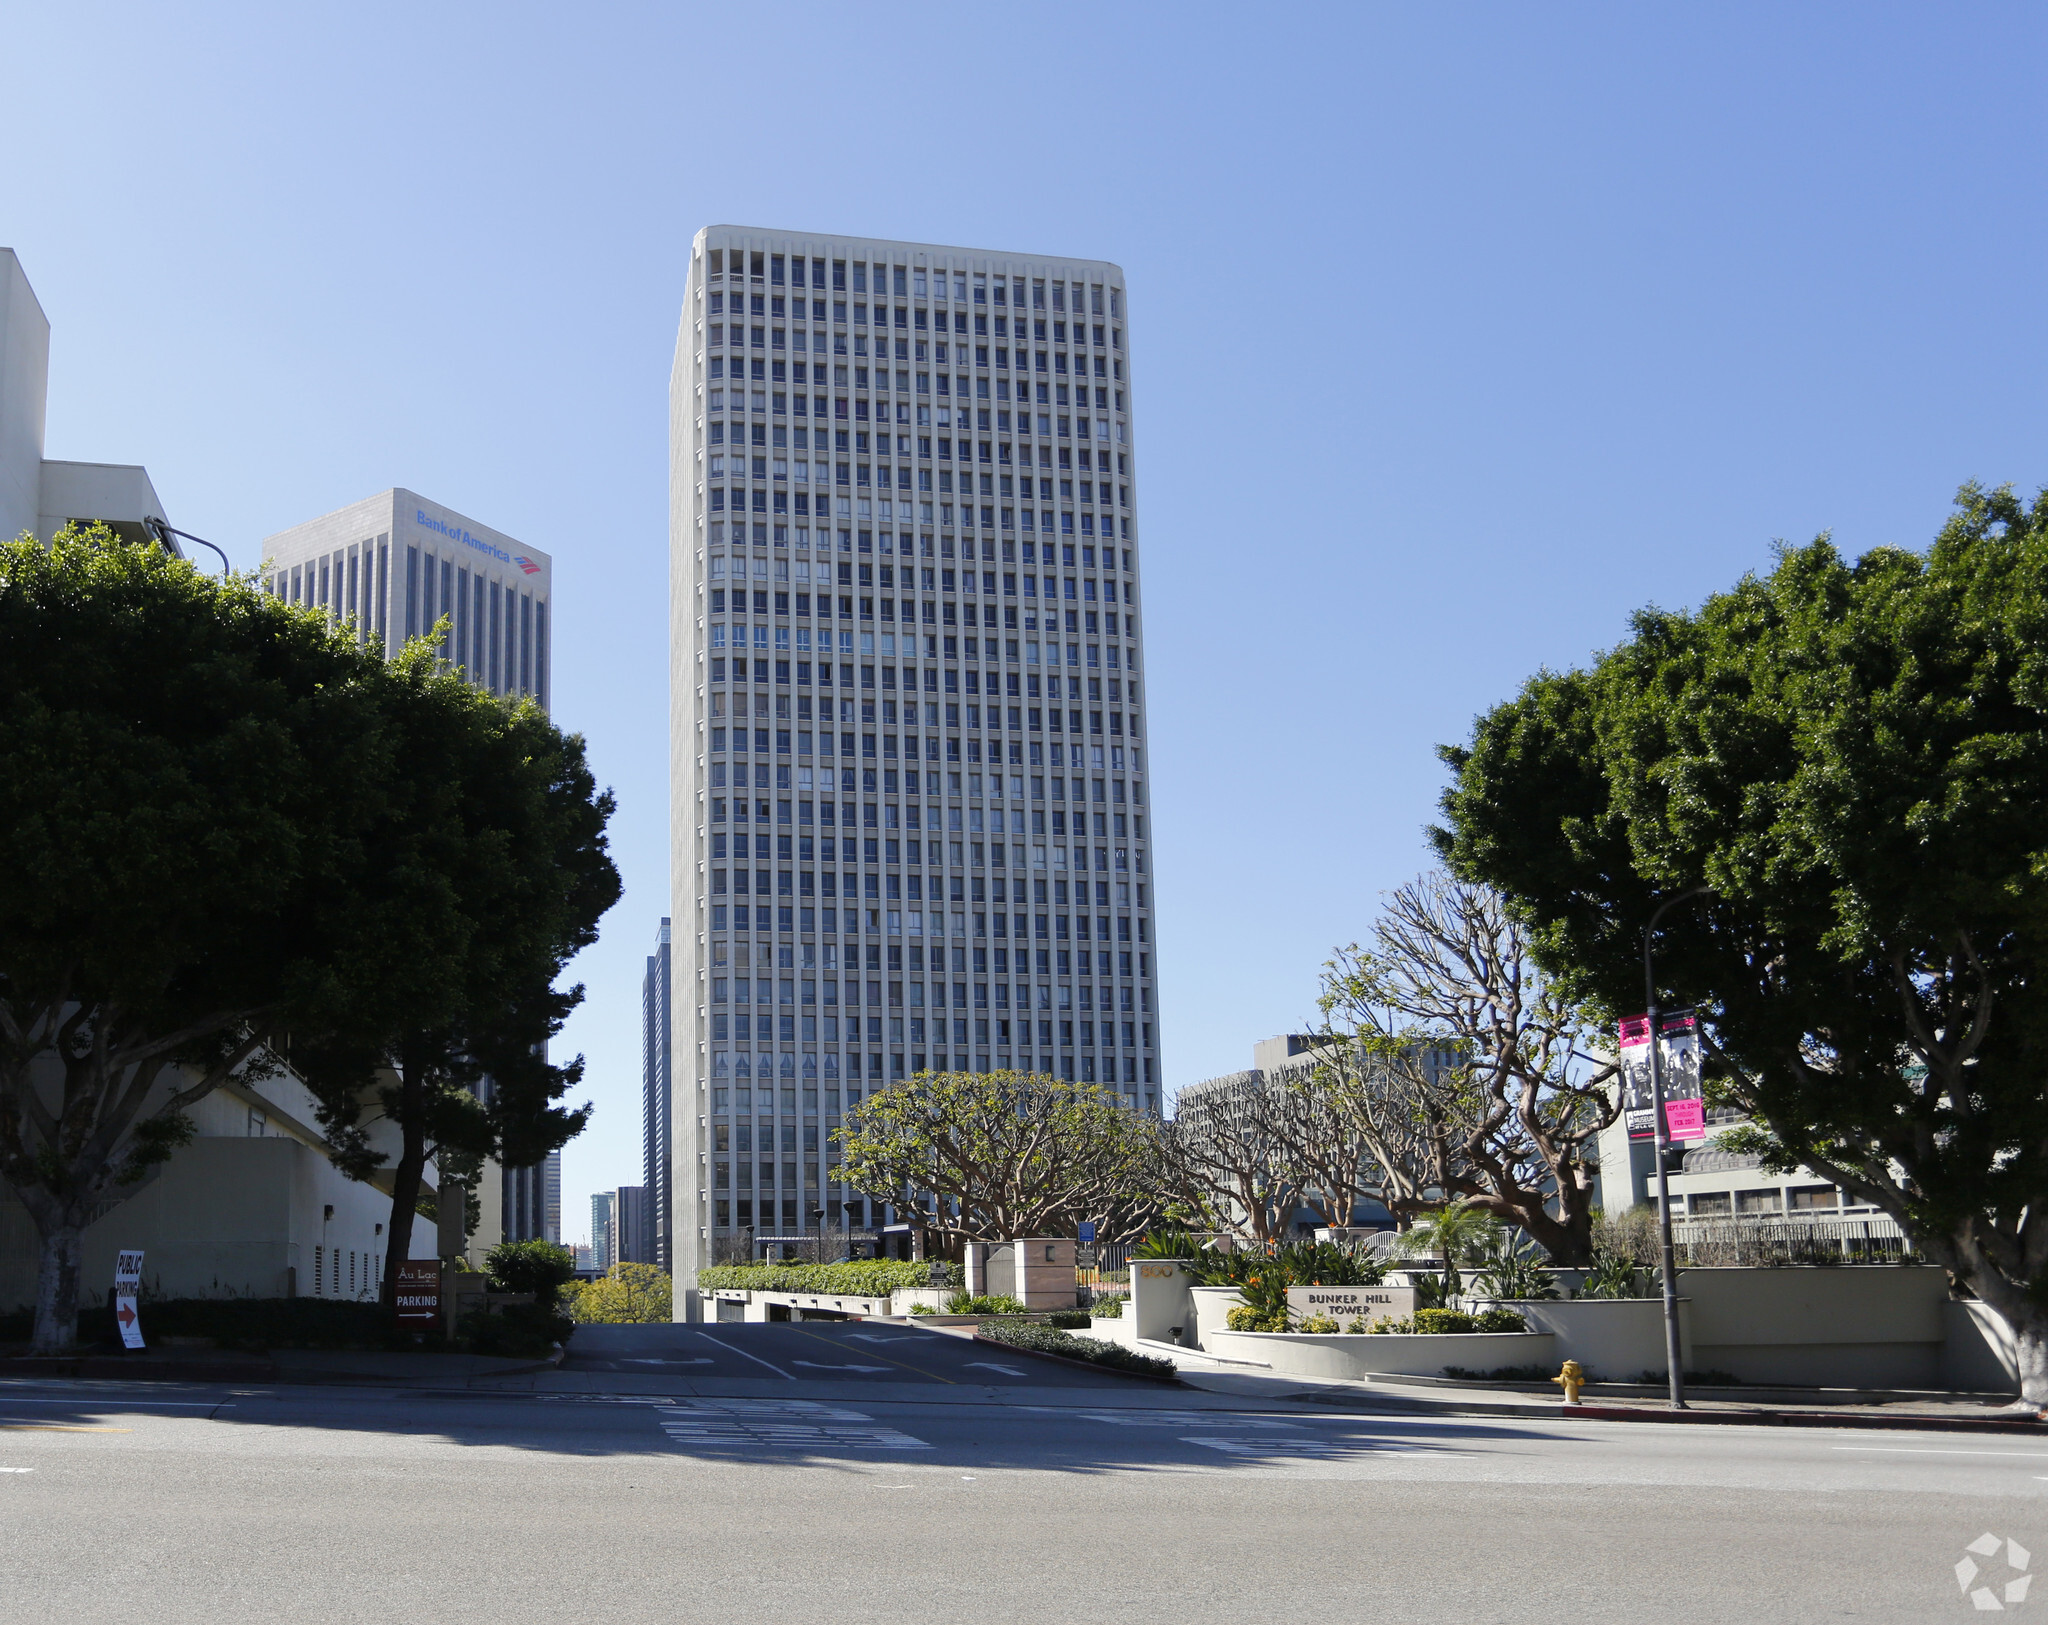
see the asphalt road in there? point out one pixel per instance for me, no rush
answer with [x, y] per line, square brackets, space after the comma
[934, 1489]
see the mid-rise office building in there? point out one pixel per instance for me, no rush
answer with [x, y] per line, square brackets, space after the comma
[394, 566]
[909, 800]
[655, 1102]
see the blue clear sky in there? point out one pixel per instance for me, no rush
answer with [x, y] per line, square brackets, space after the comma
[1458, 335]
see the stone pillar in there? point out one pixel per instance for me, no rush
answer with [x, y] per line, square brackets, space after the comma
[976, 1267]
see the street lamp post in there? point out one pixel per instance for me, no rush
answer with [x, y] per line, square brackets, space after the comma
[1673, 1349]
[157, 528]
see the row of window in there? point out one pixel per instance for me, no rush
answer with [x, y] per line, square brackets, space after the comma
[1031, 682]
[896, 958]
[893, 747]
[777, 403]
[938, 353]
[812, 883]
[912, 995]
[919, 318]
[848, 442]
[912, 1029]
[912, 281]
[1075, 589]
[910, 922]
[1105, 823]
[857, 475]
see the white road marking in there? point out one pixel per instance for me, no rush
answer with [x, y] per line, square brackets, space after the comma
[7, 1399]
[781, 1424]
[899, 1337]
[822, 1365]
[990, 1365]
[1917, 1450]
[702, 1359]
[744, 1355]
[1309, 1447]
[16, 1469]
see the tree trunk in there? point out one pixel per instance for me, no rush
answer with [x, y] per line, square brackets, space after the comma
[57, 1286]
[406, 1177]
[2028, 1322]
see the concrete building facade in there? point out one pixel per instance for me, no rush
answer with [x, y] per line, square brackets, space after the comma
[909, 802]
[37, 494]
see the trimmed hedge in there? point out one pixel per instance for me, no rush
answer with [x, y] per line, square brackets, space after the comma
[251, 1324]
[1048, 1340]
[863, 1278]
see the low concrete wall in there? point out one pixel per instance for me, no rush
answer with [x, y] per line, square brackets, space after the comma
[1211, 1306]
[1354, 1358]
[1846, 1326]
[759, 1306]
[1616, 1338]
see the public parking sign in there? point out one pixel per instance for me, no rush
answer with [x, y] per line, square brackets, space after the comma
[1087, 1237]
[127, 1280]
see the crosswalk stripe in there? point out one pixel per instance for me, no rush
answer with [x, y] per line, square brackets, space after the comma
[780, 1424]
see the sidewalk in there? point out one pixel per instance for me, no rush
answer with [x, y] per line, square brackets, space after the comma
[1405, 1396]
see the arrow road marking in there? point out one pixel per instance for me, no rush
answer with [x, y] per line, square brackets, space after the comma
[643, 1360]
[820, 1365]
[989, 1365]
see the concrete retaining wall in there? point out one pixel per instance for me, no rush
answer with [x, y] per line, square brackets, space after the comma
[1354, 1358]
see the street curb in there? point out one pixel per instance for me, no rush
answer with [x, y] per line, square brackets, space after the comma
[1810, 1419]
[99, 1367]
[1078, 1365]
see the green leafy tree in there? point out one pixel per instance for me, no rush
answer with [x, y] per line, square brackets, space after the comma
[1007, 1154]
[625, 1295]
[1854, 758]
[540, 1267]
[511, 837]
[194, 779]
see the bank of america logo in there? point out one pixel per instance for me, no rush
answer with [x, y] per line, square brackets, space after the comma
[527, 565]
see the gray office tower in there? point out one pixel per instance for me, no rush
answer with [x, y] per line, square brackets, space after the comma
[392, 566]
[908, 794]
[655, 1103]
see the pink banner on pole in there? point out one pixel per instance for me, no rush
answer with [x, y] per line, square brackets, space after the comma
[1686, 1119]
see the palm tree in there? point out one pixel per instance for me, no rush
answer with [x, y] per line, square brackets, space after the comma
[1456, 1231]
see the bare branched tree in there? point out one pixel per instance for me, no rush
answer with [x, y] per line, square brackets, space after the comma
[1230, 1157]
[1475, 1093]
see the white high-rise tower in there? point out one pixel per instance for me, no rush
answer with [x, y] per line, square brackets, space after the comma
[909, 813]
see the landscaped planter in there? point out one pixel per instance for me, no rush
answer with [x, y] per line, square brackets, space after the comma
[1355, 1357]
[1212, 1312]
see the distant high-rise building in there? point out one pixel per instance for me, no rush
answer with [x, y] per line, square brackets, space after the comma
[655, 1067]
[909, 805]
[601, 1230]
[393, 566]
[629, 1226]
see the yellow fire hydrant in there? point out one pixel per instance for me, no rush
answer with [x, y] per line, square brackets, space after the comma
[1571, 1379]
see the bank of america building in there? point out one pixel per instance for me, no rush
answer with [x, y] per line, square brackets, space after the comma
[910, 807]
[392, 567]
